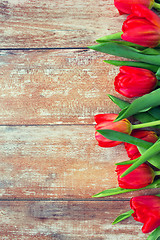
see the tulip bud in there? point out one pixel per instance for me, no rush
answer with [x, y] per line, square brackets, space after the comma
[135, 82]
[141, 177]
[145, 135]
[147, 211]
[142, 27]
[105, 121]
[124, 6]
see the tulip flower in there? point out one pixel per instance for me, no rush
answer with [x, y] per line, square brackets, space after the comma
[147, 211]
[135, 82]
[105, 121]
[145, 135]
[124, 6]
[141, 177]
[142, 27]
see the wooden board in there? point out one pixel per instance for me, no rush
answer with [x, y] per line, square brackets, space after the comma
[51, 87]
[56, 162]
[55, 86]
[72, 23]
[67, 220]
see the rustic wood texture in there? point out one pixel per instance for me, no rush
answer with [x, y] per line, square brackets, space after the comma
[72, 23]
[54, 86]
[56, 162]
[51, 87]
[67, 220]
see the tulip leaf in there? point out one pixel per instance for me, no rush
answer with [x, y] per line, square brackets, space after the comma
[149, 153]
[118, 190]
[155, 235]
[142, 117]
[126, 162]
[141, 104]
[155, 112]
[133, 46]
[123, 216]
[141, 144]
[110, 37]
[148, 66]
[150, 51]
[145, 117]
[122, 137]
[158, 74]
[119, 102]
[153, 160]
[117, 49]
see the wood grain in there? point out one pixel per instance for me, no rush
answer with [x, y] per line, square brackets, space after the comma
[56, 162]
[67, 220]
[78, 23]
[54, 87]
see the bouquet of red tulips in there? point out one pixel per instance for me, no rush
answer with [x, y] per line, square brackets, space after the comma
[139, 41]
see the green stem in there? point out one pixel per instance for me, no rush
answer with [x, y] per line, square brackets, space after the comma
[156, 6]
[110, 37]
[143, 125]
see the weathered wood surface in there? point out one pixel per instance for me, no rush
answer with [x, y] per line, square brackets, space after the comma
[54, 86]
[48, 99]
[67, 220]
[56, 162]
[28, 24]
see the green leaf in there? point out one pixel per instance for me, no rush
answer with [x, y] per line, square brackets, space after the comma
[155, 235]
[113, 191]
[110, 37]
[122, 137]
[150, 67]
[145, 117]
[119, 102]
[118, 190]
[149, 153]
[155, 112]
[142, 145]
[141, 104]
[142, 117]
[154, 160]
[158, 74]
[126, 52]
[150, 51]
[123, 216]
[126, 162]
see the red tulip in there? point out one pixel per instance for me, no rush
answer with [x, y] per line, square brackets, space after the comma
[141, 177]
[105, 121]
[142, 27]
[124, 6]
[145, 135]
[134, 82]
[147, 211]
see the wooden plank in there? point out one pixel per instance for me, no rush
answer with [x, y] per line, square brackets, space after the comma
[72, 23]
[56, 162]
[54, 87]
[70, 220]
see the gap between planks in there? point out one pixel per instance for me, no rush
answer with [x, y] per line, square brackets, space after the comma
[62, 200]
[36, 49]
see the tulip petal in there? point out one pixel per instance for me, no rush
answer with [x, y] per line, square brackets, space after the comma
[143, 12]
[151, 224]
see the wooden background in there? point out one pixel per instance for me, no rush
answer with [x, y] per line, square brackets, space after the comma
[50, 89]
